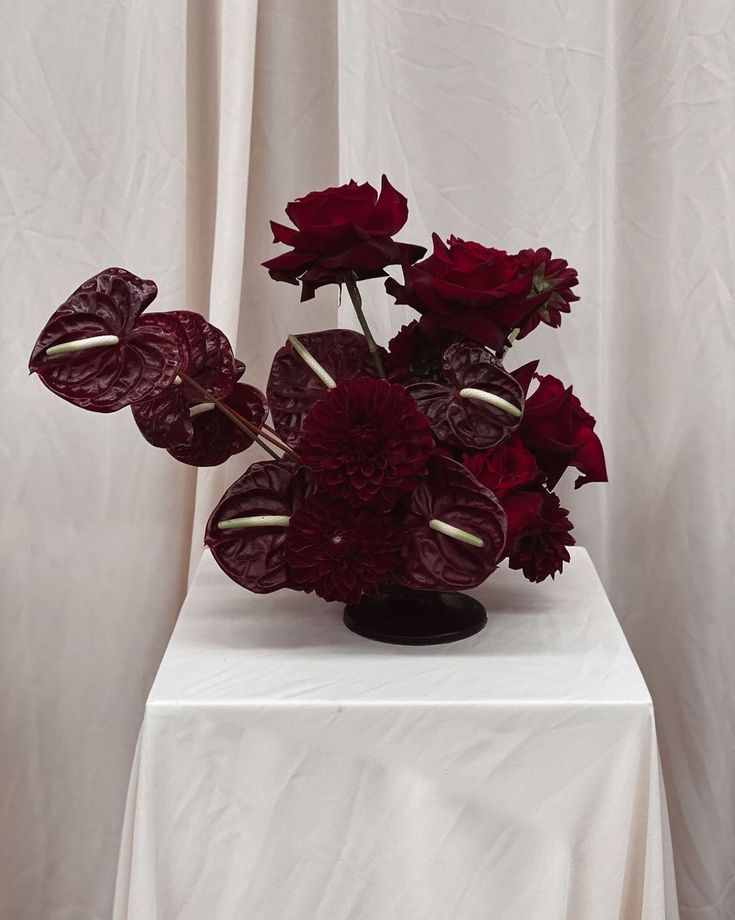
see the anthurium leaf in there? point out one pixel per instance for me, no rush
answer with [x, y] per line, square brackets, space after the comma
[463, 421]
[215, 437]
[255, 557]
[433, 561]
[164, 420]
[150, 352]
[293, 387]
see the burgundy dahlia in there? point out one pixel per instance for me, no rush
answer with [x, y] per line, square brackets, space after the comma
[366, 442]
[415, 353]
[541, 549]
[341, 230]
[293, 387]
[339, 553]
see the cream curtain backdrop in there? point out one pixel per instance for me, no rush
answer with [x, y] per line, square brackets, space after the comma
[162, 136]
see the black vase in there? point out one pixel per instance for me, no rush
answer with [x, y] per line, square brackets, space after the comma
[404, 616]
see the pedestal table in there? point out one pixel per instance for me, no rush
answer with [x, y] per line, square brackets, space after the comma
[290, 770]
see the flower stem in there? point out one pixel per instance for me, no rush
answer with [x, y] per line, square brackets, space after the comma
[356, 298]
[243, 424]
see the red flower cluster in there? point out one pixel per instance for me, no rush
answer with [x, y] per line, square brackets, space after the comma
[484, 293]
[425, 479]
[342, 230]
[341, 553]
[367, 442]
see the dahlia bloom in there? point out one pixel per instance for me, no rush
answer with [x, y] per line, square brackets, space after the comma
[293, 387]
[340, 553]
[366, 442]
[540, 549]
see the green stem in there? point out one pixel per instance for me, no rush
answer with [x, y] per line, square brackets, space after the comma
[356, 298]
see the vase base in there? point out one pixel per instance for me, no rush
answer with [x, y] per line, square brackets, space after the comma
[407, 617]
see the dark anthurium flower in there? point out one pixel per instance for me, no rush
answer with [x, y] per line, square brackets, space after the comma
[98, 352]
[366, 442]
[247, 530]
[340, 231]
[453, 530]
[293, 384]
[165, 420]
[215, 437]
[475, 404]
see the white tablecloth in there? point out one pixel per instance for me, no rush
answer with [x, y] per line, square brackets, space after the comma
[290, 770]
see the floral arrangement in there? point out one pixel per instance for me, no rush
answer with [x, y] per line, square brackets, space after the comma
[423, 464]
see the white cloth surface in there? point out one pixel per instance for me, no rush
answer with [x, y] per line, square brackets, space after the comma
[288, 769]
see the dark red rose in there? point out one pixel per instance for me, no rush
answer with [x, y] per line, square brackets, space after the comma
[434, 561]
[523, 512]
[164, 421]
[255, 557]
[560, 433]
[366, 442]
[215, 437]
[293, 387]
[483, 293]
[340, 553]
[150, 351]
[539, 543]
[467, 421]
[504, 468]
[415, 353]
[341, 230]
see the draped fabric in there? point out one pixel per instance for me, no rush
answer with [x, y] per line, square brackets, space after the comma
[162, 136]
